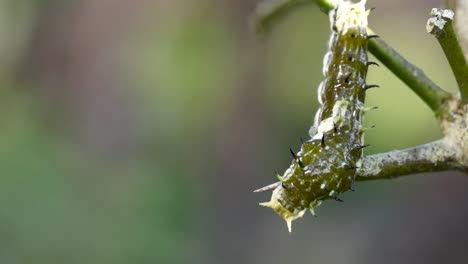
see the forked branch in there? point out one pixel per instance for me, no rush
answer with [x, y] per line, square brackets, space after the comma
[412, 76]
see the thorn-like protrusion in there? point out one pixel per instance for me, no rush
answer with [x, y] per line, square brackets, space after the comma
[300, 163]
[364, 129]
[335, 129]
[296, 158]
[369, 86]
[372, 63]
[350, 167]
[322, 142]
[312, 212]
[347, 79]
[279, 177]
[283, 212]
[268, 187]
[367, 109]
[289, 224]
[368, 11]
[292, 153]
[337, 199]
[362, 146]
[373, 36]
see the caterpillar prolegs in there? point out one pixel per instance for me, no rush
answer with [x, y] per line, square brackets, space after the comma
[326, 164]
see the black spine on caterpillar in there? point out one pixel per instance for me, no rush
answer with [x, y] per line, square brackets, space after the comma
[326, 165]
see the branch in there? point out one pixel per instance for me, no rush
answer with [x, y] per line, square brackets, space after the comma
[435, 156]
[268, 12]
[440, 25]
[414, 77]
[460, 7]
[411, 75]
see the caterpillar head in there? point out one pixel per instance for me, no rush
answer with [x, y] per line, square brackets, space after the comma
[349, 15]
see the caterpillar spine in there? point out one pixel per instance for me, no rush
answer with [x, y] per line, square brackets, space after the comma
[325, 167]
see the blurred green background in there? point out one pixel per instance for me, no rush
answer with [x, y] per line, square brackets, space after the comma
[135, 132]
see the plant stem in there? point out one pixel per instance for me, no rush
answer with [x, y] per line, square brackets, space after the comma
[427, 90]
[269, 12]
[411, 75]
[430, 157]
[440, 25]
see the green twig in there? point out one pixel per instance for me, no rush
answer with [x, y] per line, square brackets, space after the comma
[411, 75]
[325, 5]
[440, 25]
[269, 12]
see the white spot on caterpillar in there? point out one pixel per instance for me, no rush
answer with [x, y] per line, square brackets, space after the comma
[322, 186]
[320, 88]
[340, 114]
[326, 62]
[331, 192]
[359, 163]
[312, 131]
[332, 40]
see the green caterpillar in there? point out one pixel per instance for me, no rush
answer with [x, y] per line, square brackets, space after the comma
[325, 167]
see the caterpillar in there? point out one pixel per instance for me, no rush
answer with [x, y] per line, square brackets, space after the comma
[326, 164]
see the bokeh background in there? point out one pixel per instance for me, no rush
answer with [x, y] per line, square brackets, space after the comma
[135, 132]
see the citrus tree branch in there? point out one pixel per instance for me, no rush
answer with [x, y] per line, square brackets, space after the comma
[449, 153]
[412, 76]
[460, 7]
[435, 156]
[440, 25]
